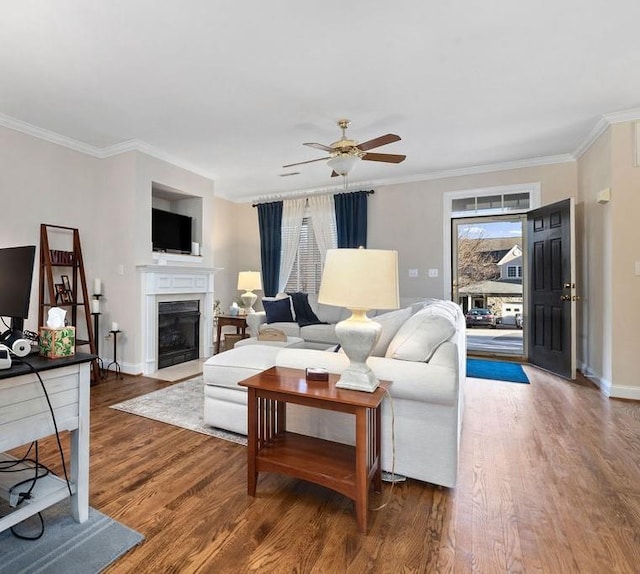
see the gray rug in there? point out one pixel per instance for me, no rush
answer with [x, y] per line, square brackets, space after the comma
[66, 547]
[180, 405]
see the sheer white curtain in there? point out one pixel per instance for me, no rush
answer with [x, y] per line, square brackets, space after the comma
[292, 216]
[323, 219]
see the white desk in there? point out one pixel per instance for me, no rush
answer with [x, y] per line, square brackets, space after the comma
[25, 417]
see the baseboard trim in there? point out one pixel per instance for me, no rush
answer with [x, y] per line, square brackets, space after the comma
[624, 392]
[608, 389]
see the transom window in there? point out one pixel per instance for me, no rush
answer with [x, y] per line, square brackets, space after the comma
[490, 204]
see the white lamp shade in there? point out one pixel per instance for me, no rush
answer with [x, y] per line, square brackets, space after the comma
[249, 280]
[343, 164]
[360, 279]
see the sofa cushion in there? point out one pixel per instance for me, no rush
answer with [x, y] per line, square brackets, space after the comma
[321, 333]
[331, 313]
[412, 381]
[390, 323]
[419, 337]
[278, 310]
[228, 368]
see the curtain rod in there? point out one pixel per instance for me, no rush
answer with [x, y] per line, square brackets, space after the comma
[368, 192]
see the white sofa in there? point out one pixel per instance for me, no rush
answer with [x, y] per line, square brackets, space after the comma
[427, 395]
[315, 336]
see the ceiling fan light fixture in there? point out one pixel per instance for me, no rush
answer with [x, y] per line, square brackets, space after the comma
[343, 164]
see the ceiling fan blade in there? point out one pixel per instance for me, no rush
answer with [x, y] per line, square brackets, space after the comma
[388, 157]
[377, 142]
[319, 146]
[309, 161]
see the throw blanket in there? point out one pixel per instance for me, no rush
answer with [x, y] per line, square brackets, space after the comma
[304, 312]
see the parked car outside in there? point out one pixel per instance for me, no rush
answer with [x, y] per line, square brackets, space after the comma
[481, 318]
[519, 321]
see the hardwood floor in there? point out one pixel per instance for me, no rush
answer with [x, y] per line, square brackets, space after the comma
[549, 482]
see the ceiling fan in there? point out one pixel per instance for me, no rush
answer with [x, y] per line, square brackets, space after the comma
[344, 154]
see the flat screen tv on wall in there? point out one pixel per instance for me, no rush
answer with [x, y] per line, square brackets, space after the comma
[170, 232]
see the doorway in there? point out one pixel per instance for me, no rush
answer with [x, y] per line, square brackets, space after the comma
[488, 276]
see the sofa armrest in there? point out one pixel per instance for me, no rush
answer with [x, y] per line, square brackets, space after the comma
[254, 320]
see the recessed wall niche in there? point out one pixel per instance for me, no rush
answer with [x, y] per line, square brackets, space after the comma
[177, 202]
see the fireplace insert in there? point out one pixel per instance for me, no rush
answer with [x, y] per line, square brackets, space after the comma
[178, 332]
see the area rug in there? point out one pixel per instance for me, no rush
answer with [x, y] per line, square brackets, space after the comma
[179, 405]
[66, 547]
[496, 370]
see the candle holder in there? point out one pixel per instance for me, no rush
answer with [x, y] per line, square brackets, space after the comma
[116, 366]
[96, 333]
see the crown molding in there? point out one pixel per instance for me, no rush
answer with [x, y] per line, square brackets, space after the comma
[48, 135]
[601, 126]
[442, 174]
[94, 151]
[142, 147]
[630, 115]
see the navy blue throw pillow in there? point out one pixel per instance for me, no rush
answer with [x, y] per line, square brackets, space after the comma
[304, 312]
[278, 311]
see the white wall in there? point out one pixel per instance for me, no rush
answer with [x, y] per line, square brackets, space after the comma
[236, 241]
[594, 257]
[109, 201]
[44, 183]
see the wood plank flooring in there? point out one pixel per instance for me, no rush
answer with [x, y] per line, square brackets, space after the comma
[549, 482]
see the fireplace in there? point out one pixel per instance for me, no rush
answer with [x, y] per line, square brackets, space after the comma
[178, 332]
[174, 284]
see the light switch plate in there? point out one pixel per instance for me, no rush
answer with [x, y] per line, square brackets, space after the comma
[433, 272]
[637, 267]
[413, 272]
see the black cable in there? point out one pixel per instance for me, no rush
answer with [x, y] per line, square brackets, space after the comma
[27, 495]
[14, 462]
[55, 424]
[24, 536]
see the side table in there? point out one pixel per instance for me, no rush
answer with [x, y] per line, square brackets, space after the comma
[237, 321]
[349, 470]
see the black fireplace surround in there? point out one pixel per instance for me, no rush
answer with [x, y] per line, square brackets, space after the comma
[178, 332]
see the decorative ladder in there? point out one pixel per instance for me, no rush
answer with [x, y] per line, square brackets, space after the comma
[48, 294]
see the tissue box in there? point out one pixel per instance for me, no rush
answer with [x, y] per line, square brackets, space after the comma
[56, 343]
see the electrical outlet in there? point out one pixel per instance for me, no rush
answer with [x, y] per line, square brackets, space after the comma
[433, 272]
[637, 267]
[121, 269]
[413, 272]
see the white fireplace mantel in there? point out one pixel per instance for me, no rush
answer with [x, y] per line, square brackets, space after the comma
[173, 283]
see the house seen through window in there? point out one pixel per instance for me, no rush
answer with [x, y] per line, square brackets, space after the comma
[514, 271]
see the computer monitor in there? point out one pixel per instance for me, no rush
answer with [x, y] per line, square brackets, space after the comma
[16, 275]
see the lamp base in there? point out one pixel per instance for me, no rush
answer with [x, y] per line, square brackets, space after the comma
[358, 380]
[358, 336]
[249, 298]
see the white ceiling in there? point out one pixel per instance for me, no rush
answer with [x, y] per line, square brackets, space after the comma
[232, 89]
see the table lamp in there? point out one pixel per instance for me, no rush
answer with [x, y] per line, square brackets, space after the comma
[249, 280]
[360, 280]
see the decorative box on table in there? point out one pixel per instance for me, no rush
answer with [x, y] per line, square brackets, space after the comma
[56, 343]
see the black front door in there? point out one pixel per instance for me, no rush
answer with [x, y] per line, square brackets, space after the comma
[550, 323]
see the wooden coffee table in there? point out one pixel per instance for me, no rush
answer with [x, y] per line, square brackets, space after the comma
[347, 469]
